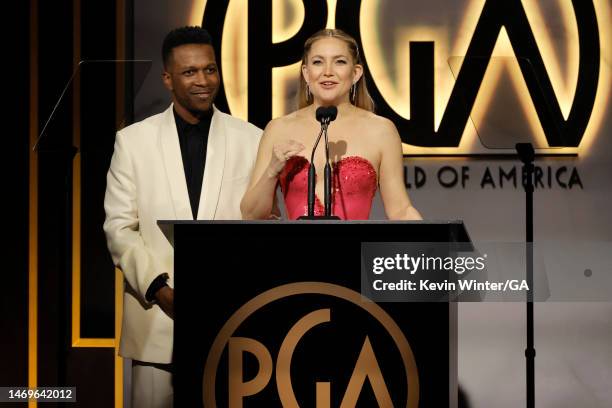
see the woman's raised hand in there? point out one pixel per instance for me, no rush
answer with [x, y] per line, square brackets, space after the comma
[281, 153]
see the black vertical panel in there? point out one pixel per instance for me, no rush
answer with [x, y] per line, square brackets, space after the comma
[98, 126]
[260, 66]
[14, 299]
[55, 70]
[422, 85]
[129, 55]
[90, 370]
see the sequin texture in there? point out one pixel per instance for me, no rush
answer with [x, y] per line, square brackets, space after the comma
[354, 186]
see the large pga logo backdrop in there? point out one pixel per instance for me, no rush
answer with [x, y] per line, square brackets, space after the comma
[264, 54]
[490, 336]
[421, 82]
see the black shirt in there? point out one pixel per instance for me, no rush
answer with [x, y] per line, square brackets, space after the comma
[193, 140]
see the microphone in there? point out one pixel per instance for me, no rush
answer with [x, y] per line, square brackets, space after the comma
[327, 115]
[324, 115]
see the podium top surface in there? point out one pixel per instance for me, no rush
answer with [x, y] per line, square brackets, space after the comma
[167, 226]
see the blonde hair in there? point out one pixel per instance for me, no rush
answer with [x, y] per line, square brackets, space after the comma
[362, 98]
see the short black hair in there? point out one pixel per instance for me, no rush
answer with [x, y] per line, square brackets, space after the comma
[181, 36]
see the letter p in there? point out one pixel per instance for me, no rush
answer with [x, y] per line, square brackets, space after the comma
[238, 388]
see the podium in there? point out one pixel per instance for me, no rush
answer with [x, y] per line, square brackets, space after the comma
[269, 313]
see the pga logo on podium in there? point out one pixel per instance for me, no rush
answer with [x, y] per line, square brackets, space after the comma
[322, 345]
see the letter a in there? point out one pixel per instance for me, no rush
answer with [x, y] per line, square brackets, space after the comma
[366, 367]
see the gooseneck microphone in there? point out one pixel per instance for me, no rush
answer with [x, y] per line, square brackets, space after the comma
[312, 175]
[328, 117]
[325, 115]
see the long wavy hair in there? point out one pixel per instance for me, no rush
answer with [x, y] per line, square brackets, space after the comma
[361, 98]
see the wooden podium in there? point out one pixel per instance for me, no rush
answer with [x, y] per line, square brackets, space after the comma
[269, 314]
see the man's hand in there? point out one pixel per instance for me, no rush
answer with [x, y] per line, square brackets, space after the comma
[165, 300]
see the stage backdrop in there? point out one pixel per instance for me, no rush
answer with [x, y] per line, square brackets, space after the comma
[463, 80]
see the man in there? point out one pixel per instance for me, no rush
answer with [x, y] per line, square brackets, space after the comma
[189, 162]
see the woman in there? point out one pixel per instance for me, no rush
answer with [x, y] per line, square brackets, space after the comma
[365, 149]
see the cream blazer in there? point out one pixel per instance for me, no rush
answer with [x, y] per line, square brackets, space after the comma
[146, 183]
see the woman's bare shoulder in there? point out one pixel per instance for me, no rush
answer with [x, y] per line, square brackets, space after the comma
[378, 125]
[275, 129]
[287, 127]
[299, 116]
[283, 123]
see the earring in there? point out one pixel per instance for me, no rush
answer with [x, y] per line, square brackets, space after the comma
[353, 90]
[307, 92]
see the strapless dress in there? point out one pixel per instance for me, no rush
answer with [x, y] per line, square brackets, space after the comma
[353, 188]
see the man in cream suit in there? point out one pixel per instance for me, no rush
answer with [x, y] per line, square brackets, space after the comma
[189, 162]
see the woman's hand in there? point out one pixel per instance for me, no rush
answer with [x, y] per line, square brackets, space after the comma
[280, 154]
[259, 201]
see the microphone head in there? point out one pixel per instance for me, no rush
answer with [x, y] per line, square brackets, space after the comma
[333, 112]
[328, 113]
[321, 113]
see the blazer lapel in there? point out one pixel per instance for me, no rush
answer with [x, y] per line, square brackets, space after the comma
[173, 163]
[213, 172]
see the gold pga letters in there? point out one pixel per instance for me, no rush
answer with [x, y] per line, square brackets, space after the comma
[366, 367]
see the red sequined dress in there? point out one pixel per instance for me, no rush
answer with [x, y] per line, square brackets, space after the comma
[354, 186]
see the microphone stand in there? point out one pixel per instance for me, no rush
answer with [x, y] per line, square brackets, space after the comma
[312, 174]
[327, 176]
[325, 121]
[527, 155]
